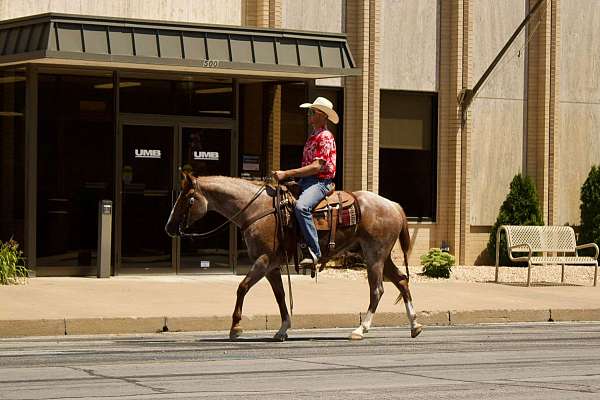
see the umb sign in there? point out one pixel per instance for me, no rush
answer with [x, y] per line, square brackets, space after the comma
[206, 155]
[146, 153]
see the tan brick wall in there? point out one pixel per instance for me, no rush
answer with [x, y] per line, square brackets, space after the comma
[267, 14]
[421, 239]
[476, 251]
[554, 113]
[542, 115]
[449, 130]
[274, 128]
[466, 129]
[361, 103]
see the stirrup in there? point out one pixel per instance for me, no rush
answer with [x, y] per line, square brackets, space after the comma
[309, 259]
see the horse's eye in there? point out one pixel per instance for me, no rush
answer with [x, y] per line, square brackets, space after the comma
[192, 200]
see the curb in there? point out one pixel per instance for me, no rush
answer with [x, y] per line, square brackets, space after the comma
[94, 326]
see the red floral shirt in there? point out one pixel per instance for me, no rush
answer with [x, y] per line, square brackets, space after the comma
[321, 145]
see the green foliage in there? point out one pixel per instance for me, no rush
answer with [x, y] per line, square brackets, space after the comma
[590, 208]
[12, 263]
[437, 264]
[521, 207]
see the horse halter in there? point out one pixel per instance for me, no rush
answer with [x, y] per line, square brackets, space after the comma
[191, 202]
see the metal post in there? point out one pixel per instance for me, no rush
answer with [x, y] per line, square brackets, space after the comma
[104, 238]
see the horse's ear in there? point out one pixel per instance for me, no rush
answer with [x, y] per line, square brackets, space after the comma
[187, 181]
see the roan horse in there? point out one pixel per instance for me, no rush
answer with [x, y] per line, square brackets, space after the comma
[382, 223]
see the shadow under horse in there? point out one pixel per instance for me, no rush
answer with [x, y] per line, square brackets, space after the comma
[248, 205]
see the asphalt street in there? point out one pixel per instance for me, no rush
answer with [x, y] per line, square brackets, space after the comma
[519, 361]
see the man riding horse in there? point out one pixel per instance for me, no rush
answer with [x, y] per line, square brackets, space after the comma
[316, 173]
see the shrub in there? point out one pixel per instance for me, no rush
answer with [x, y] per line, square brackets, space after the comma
[590, 208]
[12, 263]
[521, 207]
[437, 264]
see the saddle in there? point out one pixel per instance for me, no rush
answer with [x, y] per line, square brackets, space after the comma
[337, 209]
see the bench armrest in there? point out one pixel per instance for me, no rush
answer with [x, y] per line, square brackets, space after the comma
[510, 250]
[587, 246]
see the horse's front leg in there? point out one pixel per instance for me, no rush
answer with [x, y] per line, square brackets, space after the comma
[256, 273]
[375, 275]
[401, 282]
[274, 277]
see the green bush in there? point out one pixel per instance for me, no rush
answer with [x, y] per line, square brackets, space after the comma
[12, 263]
[590, 208]
[437, 264]
[521, 207]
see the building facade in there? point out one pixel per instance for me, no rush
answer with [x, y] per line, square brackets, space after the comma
[110, 99]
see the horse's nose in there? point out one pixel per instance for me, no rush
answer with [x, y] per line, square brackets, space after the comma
[170, 230]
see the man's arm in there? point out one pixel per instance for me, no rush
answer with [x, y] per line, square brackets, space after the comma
[308, 170]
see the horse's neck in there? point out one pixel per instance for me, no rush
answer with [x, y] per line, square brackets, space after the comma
[227, 196]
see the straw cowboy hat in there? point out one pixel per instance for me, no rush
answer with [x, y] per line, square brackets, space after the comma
[325, 106]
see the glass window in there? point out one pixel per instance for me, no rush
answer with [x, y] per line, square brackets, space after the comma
[75, 166]
[12, 155]
[407, 156]
[252, 132]
[207, 99]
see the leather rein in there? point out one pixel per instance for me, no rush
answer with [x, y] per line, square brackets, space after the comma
[191, 202]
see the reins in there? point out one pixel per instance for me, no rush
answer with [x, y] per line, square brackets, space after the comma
[224, 224]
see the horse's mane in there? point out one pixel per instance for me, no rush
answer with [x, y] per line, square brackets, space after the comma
[246, 184]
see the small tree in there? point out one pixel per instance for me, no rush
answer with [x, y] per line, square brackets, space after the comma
[521, 207]
[590, 207]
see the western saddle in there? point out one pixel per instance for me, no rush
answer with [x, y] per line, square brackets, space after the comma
[337, 209]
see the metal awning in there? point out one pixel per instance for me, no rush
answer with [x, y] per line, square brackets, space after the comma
[124, 43]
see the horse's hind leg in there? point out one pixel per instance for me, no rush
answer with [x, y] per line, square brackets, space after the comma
[375, 276]
[274, 277]
[401, 281]
[256, 273]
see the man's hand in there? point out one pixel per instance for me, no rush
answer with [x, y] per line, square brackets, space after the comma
[279, 175]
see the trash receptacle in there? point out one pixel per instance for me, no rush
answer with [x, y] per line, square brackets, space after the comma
[104, 238]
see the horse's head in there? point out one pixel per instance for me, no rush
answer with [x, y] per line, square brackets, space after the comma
[190, 206]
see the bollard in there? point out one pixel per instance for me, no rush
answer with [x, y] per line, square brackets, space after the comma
[104, 238]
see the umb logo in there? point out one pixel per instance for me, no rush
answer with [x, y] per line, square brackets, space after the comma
[206, 155]
[145, 153]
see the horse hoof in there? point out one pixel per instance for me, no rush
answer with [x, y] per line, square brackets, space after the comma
[356, 336]
[414, 332]
[280, 337]
[235, 333]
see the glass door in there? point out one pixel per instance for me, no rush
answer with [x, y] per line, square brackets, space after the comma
[207, 151]
[146, 198]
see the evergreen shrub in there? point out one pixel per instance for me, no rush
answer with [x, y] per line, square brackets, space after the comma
[590, 208]
[437, 264]
[521, 207]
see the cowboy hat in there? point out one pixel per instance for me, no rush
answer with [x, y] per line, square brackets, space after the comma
[325, 106]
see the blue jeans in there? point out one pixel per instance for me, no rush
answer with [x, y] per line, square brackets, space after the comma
[313, 191]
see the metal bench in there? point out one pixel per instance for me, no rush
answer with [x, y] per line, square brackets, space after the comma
[538, 241]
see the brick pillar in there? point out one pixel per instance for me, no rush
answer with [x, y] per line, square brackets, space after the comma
[267, 14]
[451, 148]
[273, 104]
[542, 106]
[466, 129]
[361, 104]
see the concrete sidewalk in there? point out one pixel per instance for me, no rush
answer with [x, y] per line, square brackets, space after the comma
[143, 304]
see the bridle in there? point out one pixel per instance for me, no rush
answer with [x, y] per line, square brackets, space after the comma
[192, 201]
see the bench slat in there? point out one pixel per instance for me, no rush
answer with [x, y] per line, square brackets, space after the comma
[563, 260]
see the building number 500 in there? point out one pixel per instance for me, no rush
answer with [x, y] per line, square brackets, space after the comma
[210, 63]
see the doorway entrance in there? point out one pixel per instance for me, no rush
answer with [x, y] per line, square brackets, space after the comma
[153, 153]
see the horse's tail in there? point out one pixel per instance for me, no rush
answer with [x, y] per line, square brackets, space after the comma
[404, 238]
